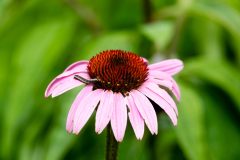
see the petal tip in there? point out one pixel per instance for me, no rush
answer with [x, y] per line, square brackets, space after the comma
[69, 131]
[175, 123]
[47, 94]
[119, 139]
[178, 98]
[98, 130]
[139, 137]
[75, 131]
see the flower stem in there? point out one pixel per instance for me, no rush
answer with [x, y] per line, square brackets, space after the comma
[112, 145]
[147, 10]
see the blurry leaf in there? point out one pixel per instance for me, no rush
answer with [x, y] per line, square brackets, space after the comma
[206, 125]
[3, 5]
[222, 14]
[33, 59]
[127, 13]
[210, 44]
[219, 73]
[231, 3]
[131, 145]
[3, 77]
[235, 42]
[119, 40]
[4, 69]
[160, 33]
[33, 131]
[221, 127]
[166, 139]
[58, 133]
[191, 130]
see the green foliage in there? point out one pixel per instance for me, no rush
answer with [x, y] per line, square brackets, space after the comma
[38, 39]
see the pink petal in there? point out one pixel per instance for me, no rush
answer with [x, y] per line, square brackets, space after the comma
[161, 97]
[146, 110]
[176, 90]
[69, 73]
[85, 109]
[161, 92]
[135, 118]
[119, 117]
[171, 66]
[78, 66]
[104, 111]
[165, 83]
[164, 76]
[72, 111]
[145, 60]
[63, 83]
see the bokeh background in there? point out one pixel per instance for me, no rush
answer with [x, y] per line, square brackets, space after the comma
[38, 39]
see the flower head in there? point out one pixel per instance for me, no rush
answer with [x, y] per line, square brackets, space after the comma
[119, 84]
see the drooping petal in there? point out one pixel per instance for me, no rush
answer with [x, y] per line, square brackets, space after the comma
[146, 110]
[176, 90]
[72, 111]
[85, 109]
[164, 76]
[104, 111]
[163, 94]
[64, 83]
[78, 66]
[135, 118]
[119, 117]
[165, 83]
[171, 66]
[161, 97]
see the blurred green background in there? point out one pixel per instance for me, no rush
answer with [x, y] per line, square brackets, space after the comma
[38, 39]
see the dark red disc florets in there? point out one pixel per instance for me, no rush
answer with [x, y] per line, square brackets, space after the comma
[117, 70]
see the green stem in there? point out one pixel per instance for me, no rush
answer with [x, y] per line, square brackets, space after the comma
[147, 8]
[112, 145]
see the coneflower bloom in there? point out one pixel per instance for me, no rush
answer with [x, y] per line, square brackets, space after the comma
[119, 84]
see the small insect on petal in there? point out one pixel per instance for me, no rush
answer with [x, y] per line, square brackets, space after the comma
[83, 80]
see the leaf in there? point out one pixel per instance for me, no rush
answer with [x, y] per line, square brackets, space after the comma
[191, 130]
[32, 61]
[212, 45]
[160, 33]
[131, 145]
[123, 40]
[166, 140]
[51, 148]
[222, 129]
[127, 14]
[235, 43]
[3, 6]
[219, 73]
[222, 14]
[206, 124]
[34, 130]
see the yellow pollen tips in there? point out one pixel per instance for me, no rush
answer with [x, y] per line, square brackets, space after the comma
[108, 82]
[126, 84]
[118, 84]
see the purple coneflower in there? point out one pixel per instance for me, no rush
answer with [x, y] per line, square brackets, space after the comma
[119, 83]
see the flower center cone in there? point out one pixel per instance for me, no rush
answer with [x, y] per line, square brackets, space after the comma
[118, 70]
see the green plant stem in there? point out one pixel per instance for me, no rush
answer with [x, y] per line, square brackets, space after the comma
[147, 8]
[112, 145]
